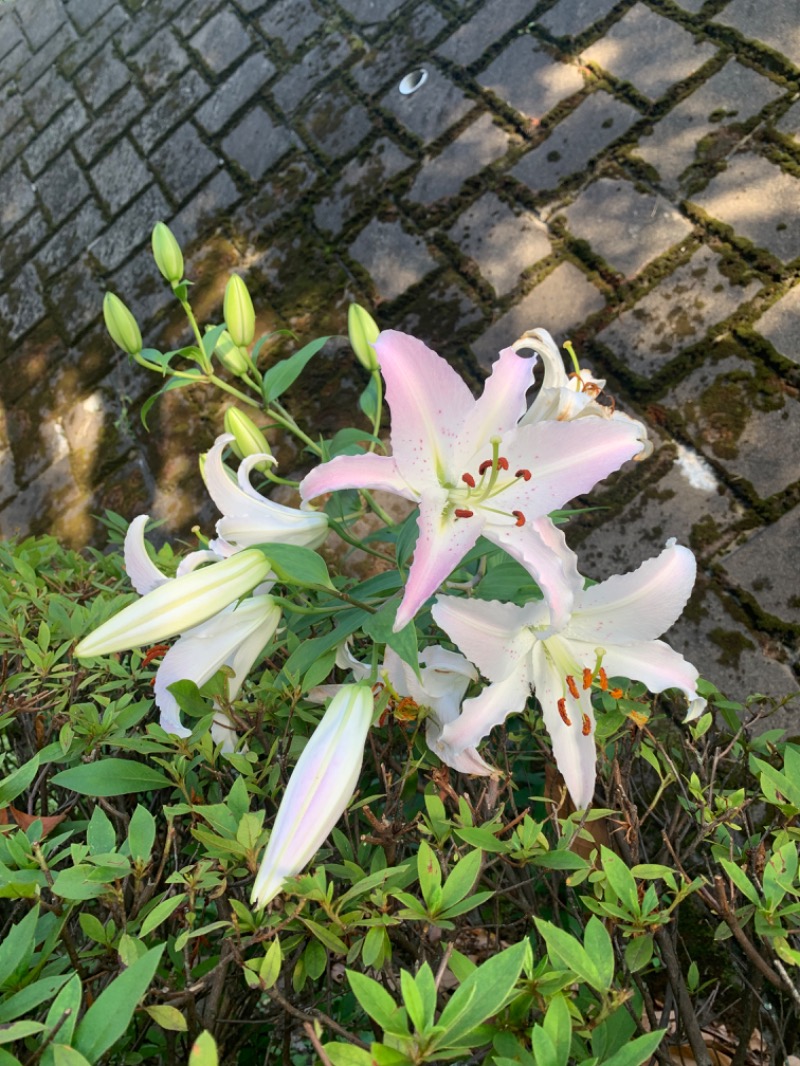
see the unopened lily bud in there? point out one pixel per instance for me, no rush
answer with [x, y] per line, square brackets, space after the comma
[121, 324]
[178, 605]
[240, 318]
[167, 253]
[363, 332]
[247, 437]
[230, 355]
[319, 790]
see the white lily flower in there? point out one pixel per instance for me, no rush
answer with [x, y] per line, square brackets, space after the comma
[178, 604]
[564, 397]
[610, 632]
[248, 518]
[318, 791]
[474, 470]
[235, 638]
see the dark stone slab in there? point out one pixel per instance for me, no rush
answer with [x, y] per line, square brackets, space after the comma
[182, 162]
[120, 176]
[235, 92]
[257, 143]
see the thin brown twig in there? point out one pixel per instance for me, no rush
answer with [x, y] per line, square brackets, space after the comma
[318, 1015]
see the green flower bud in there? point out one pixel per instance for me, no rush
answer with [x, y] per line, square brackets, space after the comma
[240, 318]
[167, 253]
[247, 437]
[363, 332]
[121, 324]
[230, 355]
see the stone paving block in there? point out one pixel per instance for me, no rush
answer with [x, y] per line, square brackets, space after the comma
[15, 142]
[87, 44]
[46, 98]
[626, 51]
[148, 21]
[359, 184]
[160, 61]
[39, 20]
[529, 79]
[737, 412]
[688, 503]
[571, 17]
[502, 242]
[120, 176]
[241, 86]
[41, 61]
[109, 124]
[175, 105]
[733, 95]
[77, 298]
[18, 245]
[771, 219]
[190, 16]
[692, 6]
[336, 123]
[775, 24]
[22, 304]
[678, 312]
[492, 20]
[789, 123]
[205, 207]
[50, 141]
[102, 77]
[626, 227]
[371, 12]
[290, 22]
[18, 57]
[70, 240]
[312, 67]
[592, 126]
[760, 565]
[16, 197]
[10, 34]
[62, 187]
[393, 258]
[384, 65]
[479, 145]
[183, 161]
[432, 109]
[780, 325]
[276, 196]
[257, 143]
[559, 303]
[440, 312]
[84, 13]
[221, 41]
[130, 230]
[12, 110]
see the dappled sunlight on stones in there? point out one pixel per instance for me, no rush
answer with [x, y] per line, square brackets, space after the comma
[774, 23]
[760, 564]
[780, 325]
[529, 79]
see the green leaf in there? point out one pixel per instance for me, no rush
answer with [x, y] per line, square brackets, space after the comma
[325, 936]
[100, 833]
[16, 949]
[461, 880]
[167, 1017]
[16, 782]
[18, 1030]
[63, 1055]
[565, 950]
[204, 1051]
[111, 777]
[368, 400]
[486, 990]
[412, 1000]
[347, 1055]
[544, 1051]
[621, 880]
[600, 950]
[637, 1051]
[295, 565]
[639, 952]
[30, 997]
[741, 880]
[379, 627]
[141, 833]
[68, 1001]
[270, 969]
[558, 1026]
[110, 1015]
[378, 1004]
[429, 873]
[191, 378]
[283, 374]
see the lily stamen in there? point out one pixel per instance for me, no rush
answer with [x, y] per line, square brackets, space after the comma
[463, 512]
[588, 677]
[468, 479]
[573, 688]
[520, 517]
[562, 710]
[586, 725]
[524, 474]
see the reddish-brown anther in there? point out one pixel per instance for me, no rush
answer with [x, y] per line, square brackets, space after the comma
[485, 465]
[586, 725]
[573, 688]
[524, 474]
[588, 677]
[562, 710]
[502, 464]
[520, 517]
[603, 679]
[462, 512]
[468, 479]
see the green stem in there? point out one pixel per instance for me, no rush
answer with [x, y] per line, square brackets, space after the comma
[204, 360]
[214, 380]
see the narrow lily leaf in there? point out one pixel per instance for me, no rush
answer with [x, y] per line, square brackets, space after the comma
[111, 777]
[160, 913]
[17, 947]
[284, 374]
[110, 1015]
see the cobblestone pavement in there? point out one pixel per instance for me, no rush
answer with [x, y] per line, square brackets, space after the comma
[625, 174]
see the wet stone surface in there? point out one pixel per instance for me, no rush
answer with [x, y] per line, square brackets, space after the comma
[554, 170]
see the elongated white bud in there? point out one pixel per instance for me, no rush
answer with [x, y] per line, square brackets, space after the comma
[319, 790]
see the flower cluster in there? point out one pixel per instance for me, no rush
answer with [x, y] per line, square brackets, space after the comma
[495, 467]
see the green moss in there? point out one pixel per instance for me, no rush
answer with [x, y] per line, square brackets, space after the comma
[731, 644]
[704, 533]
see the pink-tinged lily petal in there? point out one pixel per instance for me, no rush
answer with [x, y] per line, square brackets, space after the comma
[430, 404]
[250, 518]
[480, 715]
[191, 561]
[235, 637]
[654, 663]
[318, 791]
[356, 472]
[640, 605]
[442, 543]
[574, 746]
[143, 573]
[465, 761]
[541, 548]
[502, 403]
[491, 634]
